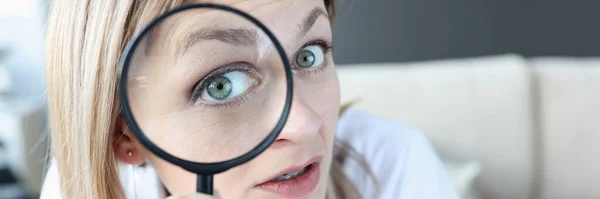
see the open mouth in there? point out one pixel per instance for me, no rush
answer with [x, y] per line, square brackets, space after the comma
[295, 182]
[292, 175]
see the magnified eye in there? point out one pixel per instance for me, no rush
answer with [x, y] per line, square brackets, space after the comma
[226, 86]
[310, 56]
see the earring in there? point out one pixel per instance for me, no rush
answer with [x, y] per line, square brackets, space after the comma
[129, 153]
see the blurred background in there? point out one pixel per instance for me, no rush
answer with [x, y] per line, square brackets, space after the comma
[508, 91]
[22, 105]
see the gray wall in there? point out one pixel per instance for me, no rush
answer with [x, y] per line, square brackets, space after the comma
[369, 31]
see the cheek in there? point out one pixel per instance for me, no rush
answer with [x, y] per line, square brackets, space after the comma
[175, 179]
[323, 94]
[329, 102]
[328, 94]
[333, 108]
[234, 183]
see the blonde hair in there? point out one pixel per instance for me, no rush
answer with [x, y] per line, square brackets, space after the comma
[85, 39]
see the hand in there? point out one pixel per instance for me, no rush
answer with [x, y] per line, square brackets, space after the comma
[196, 196]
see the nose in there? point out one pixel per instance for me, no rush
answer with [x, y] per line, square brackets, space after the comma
[303, 123]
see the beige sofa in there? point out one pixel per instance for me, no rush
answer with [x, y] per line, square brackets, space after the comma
[532, 124]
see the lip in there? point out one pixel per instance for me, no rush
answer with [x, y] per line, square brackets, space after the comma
[299, 186]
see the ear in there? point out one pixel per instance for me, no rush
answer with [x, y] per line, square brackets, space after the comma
[125, 146]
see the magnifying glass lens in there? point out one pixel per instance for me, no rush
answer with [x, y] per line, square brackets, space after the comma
[206, 85]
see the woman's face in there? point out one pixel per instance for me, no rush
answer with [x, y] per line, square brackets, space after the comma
[197, 99]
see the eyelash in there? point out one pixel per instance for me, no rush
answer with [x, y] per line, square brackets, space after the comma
[245, 67]
[327, 48]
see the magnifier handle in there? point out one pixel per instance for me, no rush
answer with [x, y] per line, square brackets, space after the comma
[204, 184]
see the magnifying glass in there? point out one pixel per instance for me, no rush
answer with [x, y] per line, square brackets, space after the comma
[205, 87]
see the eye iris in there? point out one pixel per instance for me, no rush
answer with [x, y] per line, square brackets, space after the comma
[305, 59]
[220, 88]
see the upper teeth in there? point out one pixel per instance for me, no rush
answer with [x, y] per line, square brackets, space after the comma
[291, 175]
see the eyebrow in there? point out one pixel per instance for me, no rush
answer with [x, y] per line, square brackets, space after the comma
[239, 36]
[246, 37]
[310, 20]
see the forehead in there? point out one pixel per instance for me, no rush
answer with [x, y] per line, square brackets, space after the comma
[282, 18]
[267, 8]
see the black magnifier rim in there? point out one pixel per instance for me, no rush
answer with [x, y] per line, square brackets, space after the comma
[196, 167]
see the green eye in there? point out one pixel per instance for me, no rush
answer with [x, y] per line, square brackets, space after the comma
[219, 88]
[310, 56]
[226, 86]
[305, 59]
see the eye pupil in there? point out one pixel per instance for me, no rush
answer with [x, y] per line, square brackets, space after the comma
[220, 88]
[305, 59]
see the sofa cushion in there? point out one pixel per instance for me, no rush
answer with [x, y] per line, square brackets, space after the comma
[569, 110]
[470, 109]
